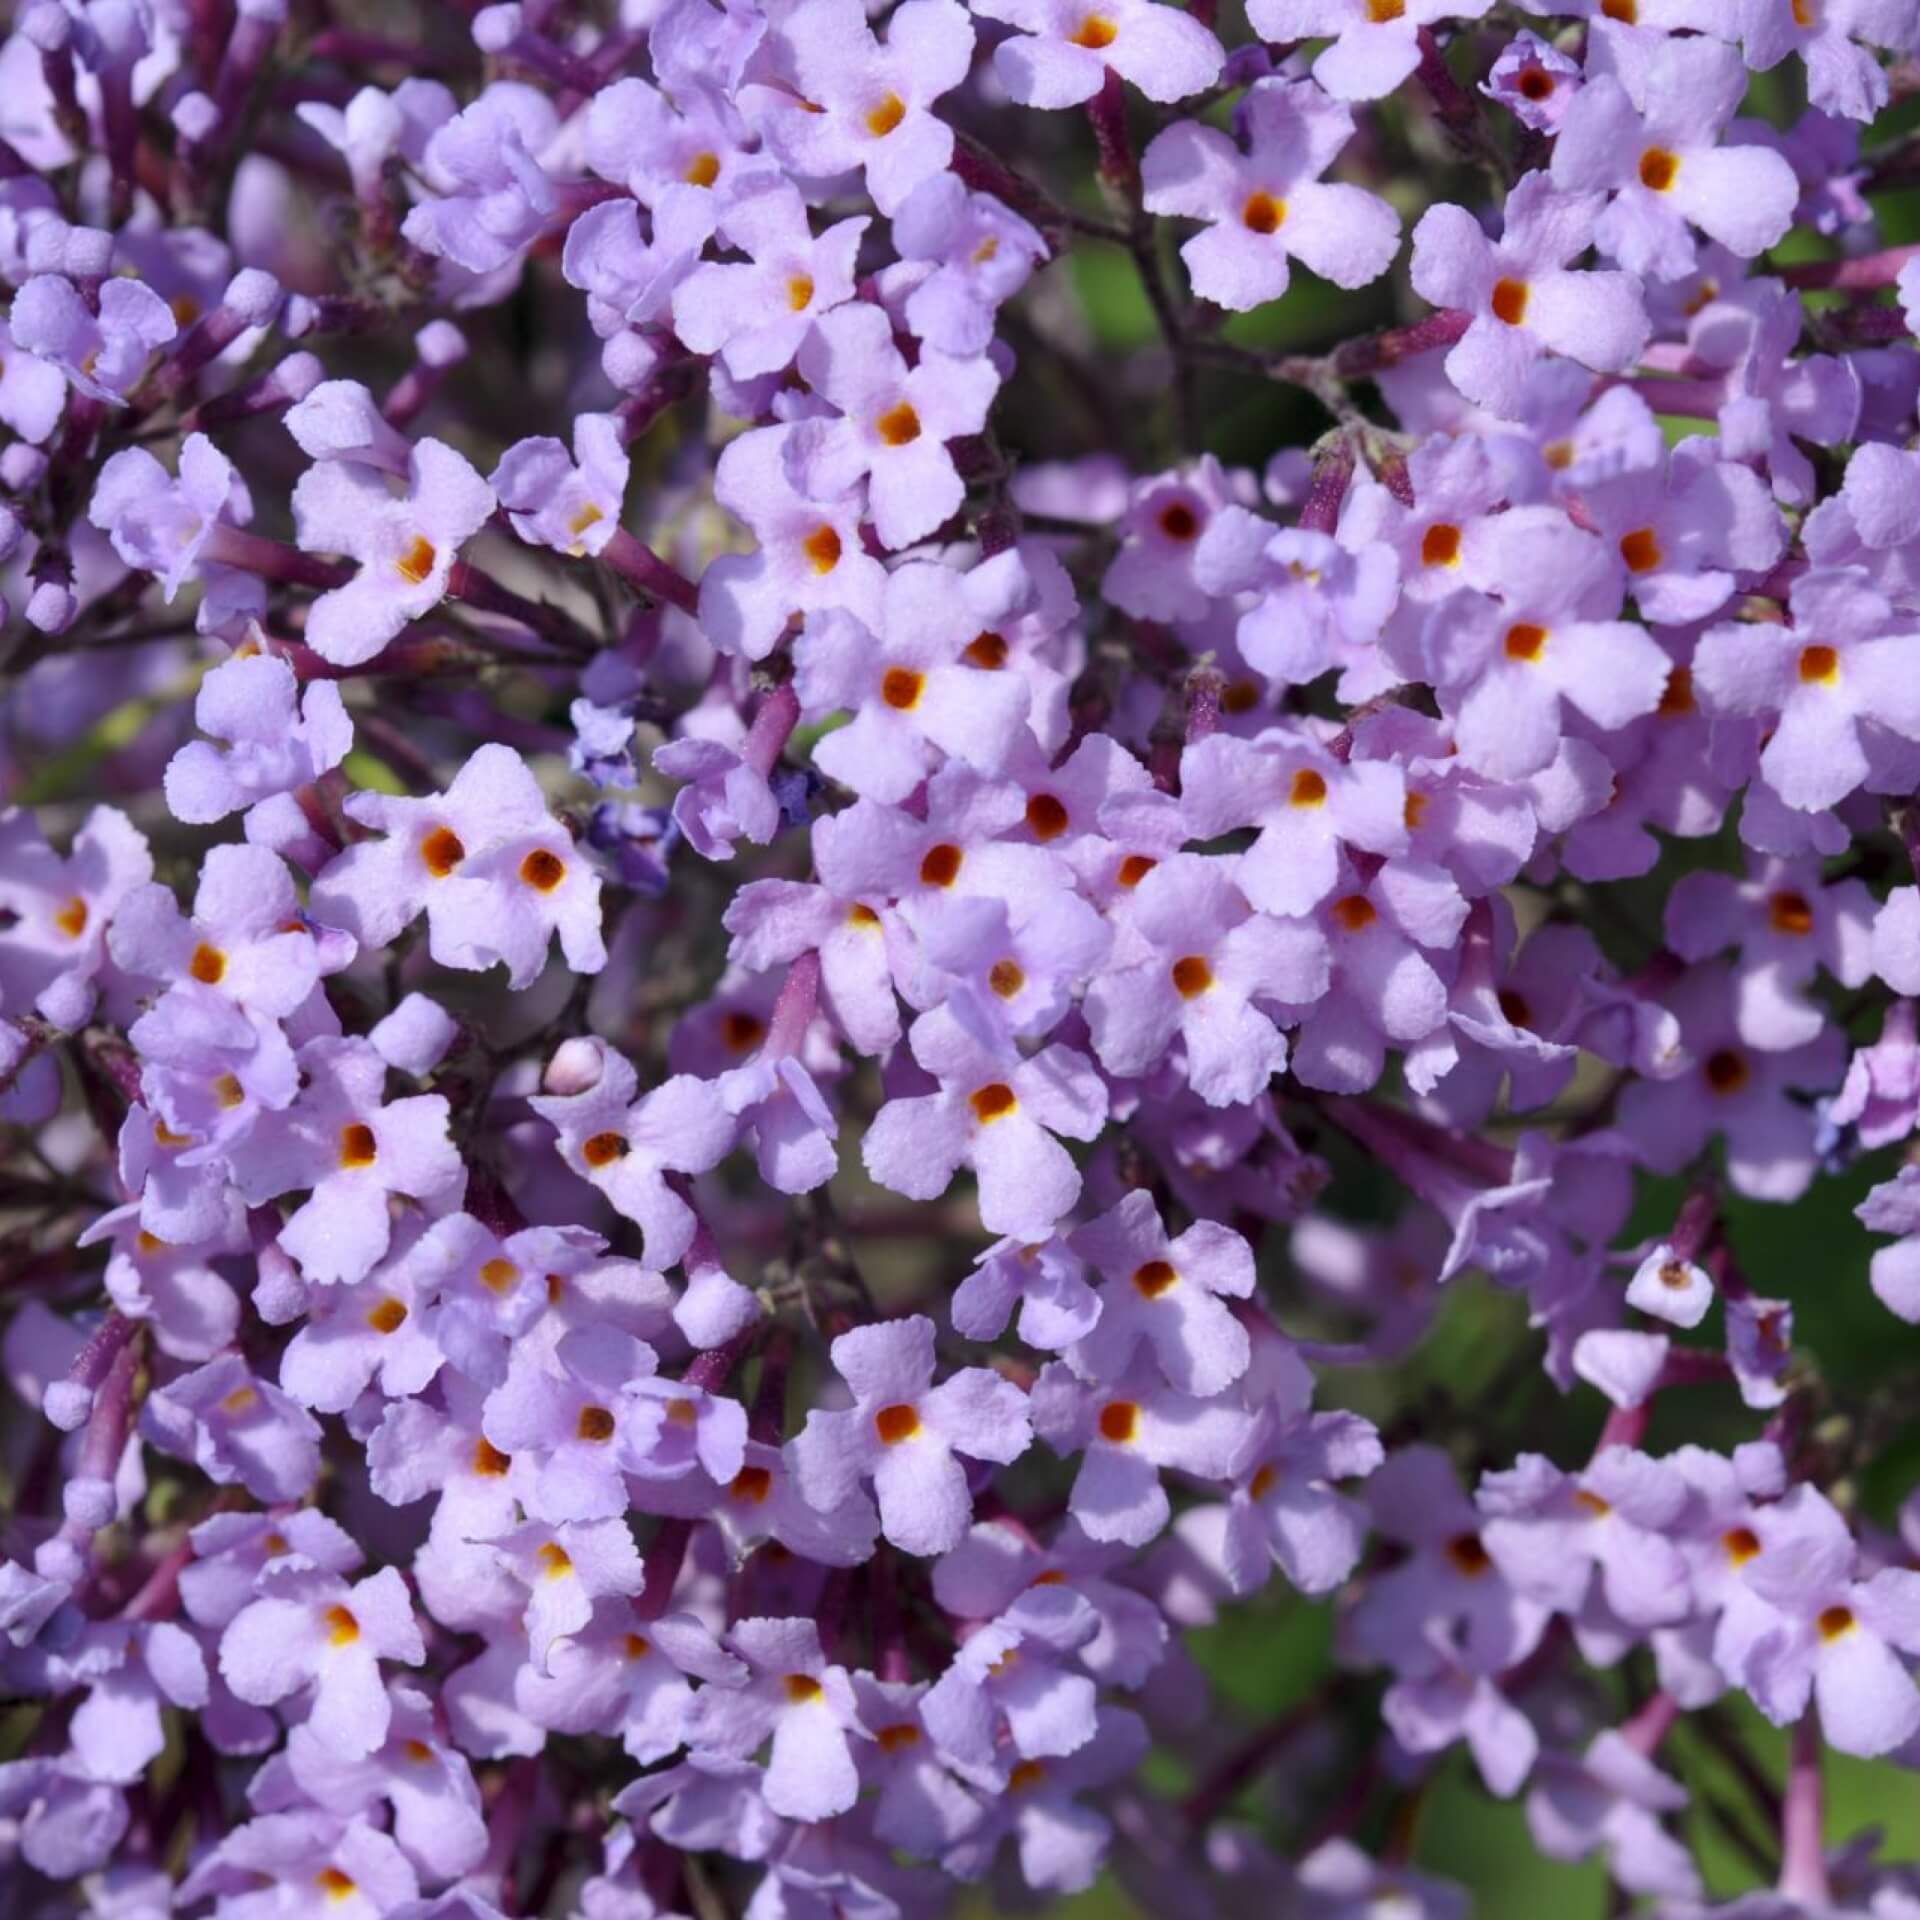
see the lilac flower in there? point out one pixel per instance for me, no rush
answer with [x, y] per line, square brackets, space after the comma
[316, 1864]
[1168, 1293]
[103, 354]
[1843, 77]
[1063, 48]
[376, 126]
[1450, 1578]
[1835, 683]
[1825, 1632]
[247, 938]
[1772, 399]
[1523, 298]
[763, 1502]
[1319, 605]
[1504, 669]
[33, 392]
[1198, 961]
[1554, 1534]
[922, 1808]
[1269, 204]
[235, 1429]
[406, 544]
[349, 1149]
[913, 684]
[627, 1147]
[1787, 927]
[648, 142]
[1683, 551]
[1732, 1089]
[1670, 1288]
[496, 873]
[756, 315]
[565, 1570]
[1128, 1431]
[859, 102]
[61, 908]
[996, 1114]
[1612, 1797]
[903, 1432]
[893, 422]
[489, 196]
[1534, 81]
[1894, 1207]
[774, 922]
[810, 555]
[629, 281]
[1047, 1281]
[429, 1786]
[355, 1334]
[233, 1550]
[1306, 804]
[1651, 139]
[1382, 986]
[1284, 1510]
[1374, 47]
[1156, 573]
[962, 257]
[624, 1676]
[570, 504]
[1011, 1672]
[175, 1289]
[159, 525]
[794, 1697]
[310, 1629]
[277, 739]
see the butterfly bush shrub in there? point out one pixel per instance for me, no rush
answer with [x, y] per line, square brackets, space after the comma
[934, 950]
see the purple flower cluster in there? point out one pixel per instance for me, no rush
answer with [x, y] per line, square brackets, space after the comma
[693, 1107]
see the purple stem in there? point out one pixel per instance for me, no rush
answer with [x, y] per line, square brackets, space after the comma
[1880, 269]
[1327, 489]
[660, 1568]
[772, 728]
[638, 565]
[1803, 1855]
[1107, 113]
[274, 560]
[1651, 1725]
[793, 1011]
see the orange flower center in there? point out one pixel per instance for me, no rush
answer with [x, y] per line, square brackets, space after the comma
[602, 1149]
[1154, 1278]
[822, 548]
[441, 851]
[895, 1424]
[1263, 213]
[1046, 817]
[389, 1316]
[1658, 169]
[899, 426]
[941, 867]
[1510, 301]
[1641, 550]
[416, 563]
[901, 688]
[1191, 976]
